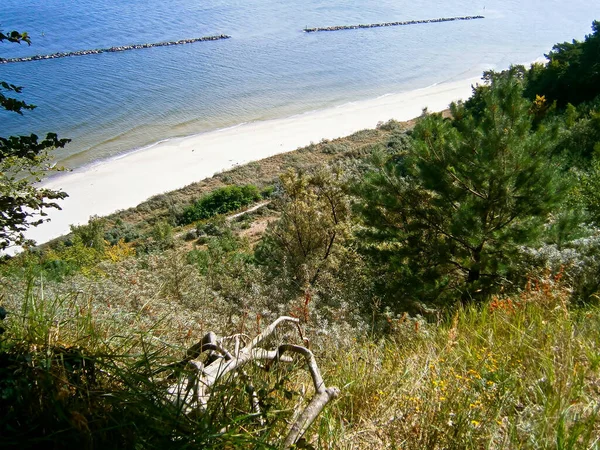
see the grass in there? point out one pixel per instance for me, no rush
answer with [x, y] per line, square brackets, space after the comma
[519, 372]
[70, 376]
[515, 373]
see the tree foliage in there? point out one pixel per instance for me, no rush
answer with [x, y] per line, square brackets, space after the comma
[572, 73]
[307, 239]
[590, 191]
[23, 162]
[579, 141]
[446, 219]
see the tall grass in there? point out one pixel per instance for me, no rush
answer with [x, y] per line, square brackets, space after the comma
[521, 372]
[70, 377]
[515, 373]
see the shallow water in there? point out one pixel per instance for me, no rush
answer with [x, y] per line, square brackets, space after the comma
[113, 102]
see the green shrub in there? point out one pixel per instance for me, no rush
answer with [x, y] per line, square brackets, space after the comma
[91, 234]
[334, 148]
[268, 191]
[209, 229]
[390, 125]
[220, 201]
[162, 233]
[121, 230]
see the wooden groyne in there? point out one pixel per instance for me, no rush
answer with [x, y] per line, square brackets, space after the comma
[122, 48]
[391, 24]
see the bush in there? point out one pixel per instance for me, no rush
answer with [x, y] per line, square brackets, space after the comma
[391, 125]
[91, 234]
[121, 230]
[190, 235]
[220, 201]
[398, 142]
[333, 148]
[210, 229]
[268, 191]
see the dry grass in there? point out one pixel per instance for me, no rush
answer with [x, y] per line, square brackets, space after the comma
[514, 373]
[518, 372]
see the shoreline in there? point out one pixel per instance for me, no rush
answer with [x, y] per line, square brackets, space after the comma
[129, 179]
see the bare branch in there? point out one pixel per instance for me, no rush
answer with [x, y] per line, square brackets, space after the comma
[192, 392]
[309, 415]
[269, 331]
[310, 360]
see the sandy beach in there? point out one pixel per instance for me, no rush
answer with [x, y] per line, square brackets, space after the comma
[128, 180]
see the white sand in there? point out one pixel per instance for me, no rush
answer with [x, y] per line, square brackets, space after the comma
[127, 181]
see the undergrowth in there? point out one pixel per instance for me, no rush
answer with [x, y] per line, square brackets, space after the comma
[70, 377]
[516, 372]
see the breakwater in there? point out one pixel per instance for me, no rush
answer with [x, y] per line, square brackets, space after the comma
[391, 24]
[122, 48]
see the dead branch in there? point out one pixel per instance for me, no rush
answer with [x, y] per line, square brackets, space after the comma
[193, 392]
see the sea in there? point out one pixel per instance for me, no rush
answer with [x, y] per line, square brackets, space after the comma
[112, 103]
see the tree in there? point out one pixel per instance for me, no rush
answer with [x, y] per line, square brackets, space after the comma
[446, 220]
[306, 240]
[572, 73]
[23, 162]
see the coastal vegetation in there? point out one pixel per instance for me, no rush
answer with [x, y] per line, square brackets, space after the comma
[447, 218]
[23, 161]
[444, 272]
[571, 74]
[220, 201]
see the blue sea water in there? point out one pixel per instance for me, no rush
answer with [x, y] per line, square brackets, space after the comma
[113, 102]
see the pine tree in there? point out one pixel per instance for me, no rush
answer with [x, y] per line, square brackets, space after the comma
[446, 219]
[572, 73]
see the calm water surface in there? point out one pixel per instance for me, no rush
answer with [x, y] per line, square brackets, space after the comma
[113, 102]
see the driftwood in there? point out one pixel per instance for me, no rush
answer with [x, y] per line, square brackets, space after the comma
[193, 392]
